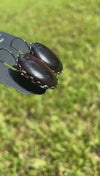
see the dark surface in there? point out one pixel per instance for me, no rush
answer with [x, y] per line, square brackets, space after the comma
[12, 43]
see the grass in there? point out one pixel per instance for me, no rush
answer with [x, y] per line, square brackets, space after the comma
[57, 133]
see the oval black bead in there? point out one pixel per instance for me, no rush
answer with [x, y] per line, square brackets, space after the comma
[40, 72]
[47, 56]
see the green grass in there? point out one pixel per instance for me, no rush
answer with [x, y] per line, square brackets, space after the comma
[57, 133]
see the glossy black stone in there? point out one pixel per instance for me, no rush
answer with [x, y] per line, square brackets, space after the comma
[47, 56]
[41, 74]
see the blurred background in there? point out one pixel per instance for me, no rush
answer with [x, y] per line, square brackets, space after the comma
[57, 133]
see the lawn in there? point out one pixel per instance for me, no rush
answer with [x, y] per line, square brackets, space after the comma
[57, 133]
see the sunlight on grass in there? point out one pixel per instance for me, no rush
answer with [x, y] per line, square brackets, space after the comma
[56, 133]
